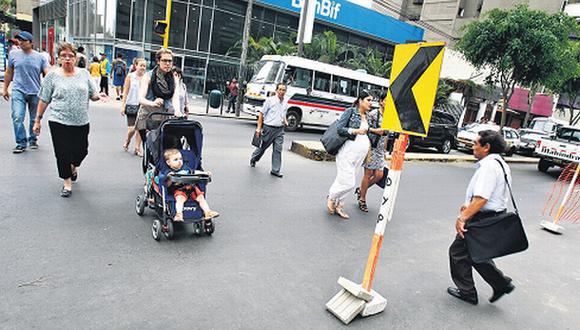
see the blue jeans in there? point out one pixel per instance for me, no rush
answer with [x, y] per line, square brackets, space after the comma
[19, 102]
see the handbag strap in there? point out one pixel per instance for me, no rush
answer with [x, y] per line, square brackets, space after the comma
[508, 184]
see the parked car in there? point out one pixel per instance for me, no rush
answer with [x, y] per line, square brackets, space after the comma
[466, 138]
[539, 127]
[559, 149]
[442, 133]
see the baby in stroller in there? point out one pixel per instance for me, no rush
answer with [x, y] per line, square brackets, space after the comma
[180, 192]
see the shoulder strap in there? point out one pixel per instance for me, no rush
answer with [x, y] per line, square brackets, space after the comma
[508, 184]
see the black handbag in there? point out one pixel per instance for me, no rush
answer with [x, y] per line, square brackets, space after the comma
[496, 236]
[384, 181]
[331, 140]
[257, 140]
[131, 110]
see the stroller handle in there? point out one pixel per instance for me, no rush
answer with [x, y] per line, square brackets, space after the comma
[189, 178]
[162, 114]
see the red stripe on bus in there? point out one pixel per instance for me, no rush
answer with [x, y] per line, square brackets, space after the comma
[316, 105]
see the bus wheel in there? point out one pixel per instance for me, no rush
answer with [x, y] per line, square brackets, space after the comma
[293, 117]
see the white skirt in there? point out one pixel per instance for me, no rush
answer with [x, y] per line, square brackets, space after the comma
[348, 162]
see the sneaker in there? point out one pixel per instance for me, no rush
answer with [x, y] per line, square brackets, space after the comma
[33, 145]
[18, 150]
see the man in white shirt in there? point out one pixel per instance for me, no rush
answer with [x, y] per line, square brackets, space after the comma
[486, 195]
[271, 123]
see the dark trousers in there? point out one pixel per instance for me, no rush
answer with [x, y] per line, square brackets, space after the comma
[460, 263]
[271, 135]
[71, 144]
[105, 85]
[232, 103]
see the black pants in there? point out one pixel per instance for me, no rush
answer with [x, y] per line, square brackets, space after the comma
[460, 263]
[71, 144]
[105, 85]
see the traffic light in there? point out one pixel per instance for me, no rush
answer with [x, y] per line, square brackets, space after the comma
[160, 27]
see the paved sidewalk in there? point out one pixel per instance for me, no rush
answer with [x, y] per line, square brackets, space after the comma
[315, 151]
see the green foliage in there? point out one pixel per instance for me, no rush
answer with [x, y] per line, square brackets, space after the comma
[519, 46]
[323, 48]
[442, 96]
[568, 82]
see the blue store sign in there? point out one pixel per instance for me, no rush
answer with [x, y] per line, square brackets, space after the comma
[354, 17]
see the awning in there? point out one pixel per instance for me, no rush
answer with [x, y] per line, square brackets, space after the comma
[542, 103]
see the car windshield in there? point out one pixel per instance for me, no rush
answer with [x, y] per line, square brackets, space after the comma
[266, 72]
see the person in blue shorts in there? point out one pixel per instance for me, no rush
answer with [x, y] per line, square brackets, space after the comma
[119, 74]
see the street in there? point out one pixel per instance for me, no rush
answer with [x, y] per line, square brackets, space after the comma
[89, 262]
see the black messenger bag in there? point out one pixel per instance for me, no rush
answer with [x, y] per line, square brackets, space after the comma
[496, 236]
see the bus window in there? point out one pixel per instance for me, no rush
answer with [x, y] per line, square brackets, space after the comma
[266, 72]
[322, 81]
[298, 77]
[344, 86]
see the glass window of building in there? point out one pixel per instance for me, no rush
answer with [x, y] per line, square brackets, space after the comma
[286, 21]
[177, 26]
[110, 13]
[234, 6]
[263, 14]
[100, 28]
[194, 74]
[83, 19]
[155, 11]
[206, 20]
[138, 19]
[322, 81]
[218, 73]
[208, 3]
[77, 16]
[192, 27]
[92, 9]
[123, 19]
[227, 32]
[260, 29]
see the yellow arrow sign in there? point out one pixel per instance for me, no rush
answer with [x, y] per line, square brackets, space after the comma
[414, 80]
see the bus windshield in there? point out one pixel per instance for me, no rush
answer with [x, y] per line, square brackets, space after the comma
[266, 72]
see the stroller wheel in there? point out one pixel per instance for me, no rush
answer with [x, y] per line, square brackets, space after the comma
[140, 205]
[209, 227]
[168, 229]
[156, 229]
[197, 228]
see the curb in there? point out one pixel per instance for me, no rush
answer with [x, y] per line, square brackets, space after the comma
[315, 151]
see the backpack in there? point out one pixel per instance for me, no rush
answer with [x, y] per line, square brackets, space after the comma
[82, 63]
[119, 71]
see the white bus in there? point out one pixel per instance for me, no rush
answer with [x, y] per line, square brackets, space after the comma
[317, 92]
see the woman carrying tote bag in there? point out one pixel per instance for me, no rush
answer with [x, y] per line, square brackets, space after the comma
[354, 125]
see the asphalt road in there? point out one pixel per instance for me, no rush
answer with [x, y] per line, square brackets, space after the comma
[89, 262]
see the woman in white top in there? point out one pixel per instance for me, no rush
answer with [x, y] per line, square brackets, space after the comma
[353, 123]
[130, 106]
[181, 90]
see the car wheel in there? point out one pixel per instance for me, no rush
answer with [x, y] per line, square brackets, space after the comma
[543, 165]
[293, 117]
[510, 152]
[445, 147]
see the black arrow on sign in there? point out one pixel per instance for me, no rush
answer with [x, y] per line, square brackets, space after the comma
[409, 115]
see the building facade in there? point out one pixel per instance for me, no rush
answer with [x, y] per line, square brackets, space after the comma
[206, 35]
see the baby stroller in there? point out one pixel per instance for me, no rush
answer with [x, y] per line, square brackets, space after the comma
[187, 136]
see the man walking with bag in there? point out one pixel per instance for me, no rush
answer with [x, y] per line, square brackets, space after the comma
[25, 66]
[486, 196]
[271, 122]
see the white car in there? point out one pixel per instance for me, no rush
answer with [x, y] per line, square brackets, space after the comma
[466, 138]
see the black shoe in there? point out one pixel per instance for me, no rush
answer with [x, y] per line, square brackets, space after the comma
[280, 175]
[74, 176]
[455, 292]
[65, 193]
[18, 150]
[33, 145]
[252, 163]
[496, 295]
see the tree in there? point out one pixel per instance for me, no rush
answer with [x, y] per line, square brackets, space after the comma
[372, 61]
[569, 81]
[519, 46]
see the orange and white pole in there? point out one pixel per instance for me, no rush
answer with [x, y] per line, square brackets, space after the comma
[567, 195]
[387, 207]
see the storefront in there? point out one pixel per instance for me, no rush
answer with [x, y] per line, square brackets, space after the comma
[206, 34]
